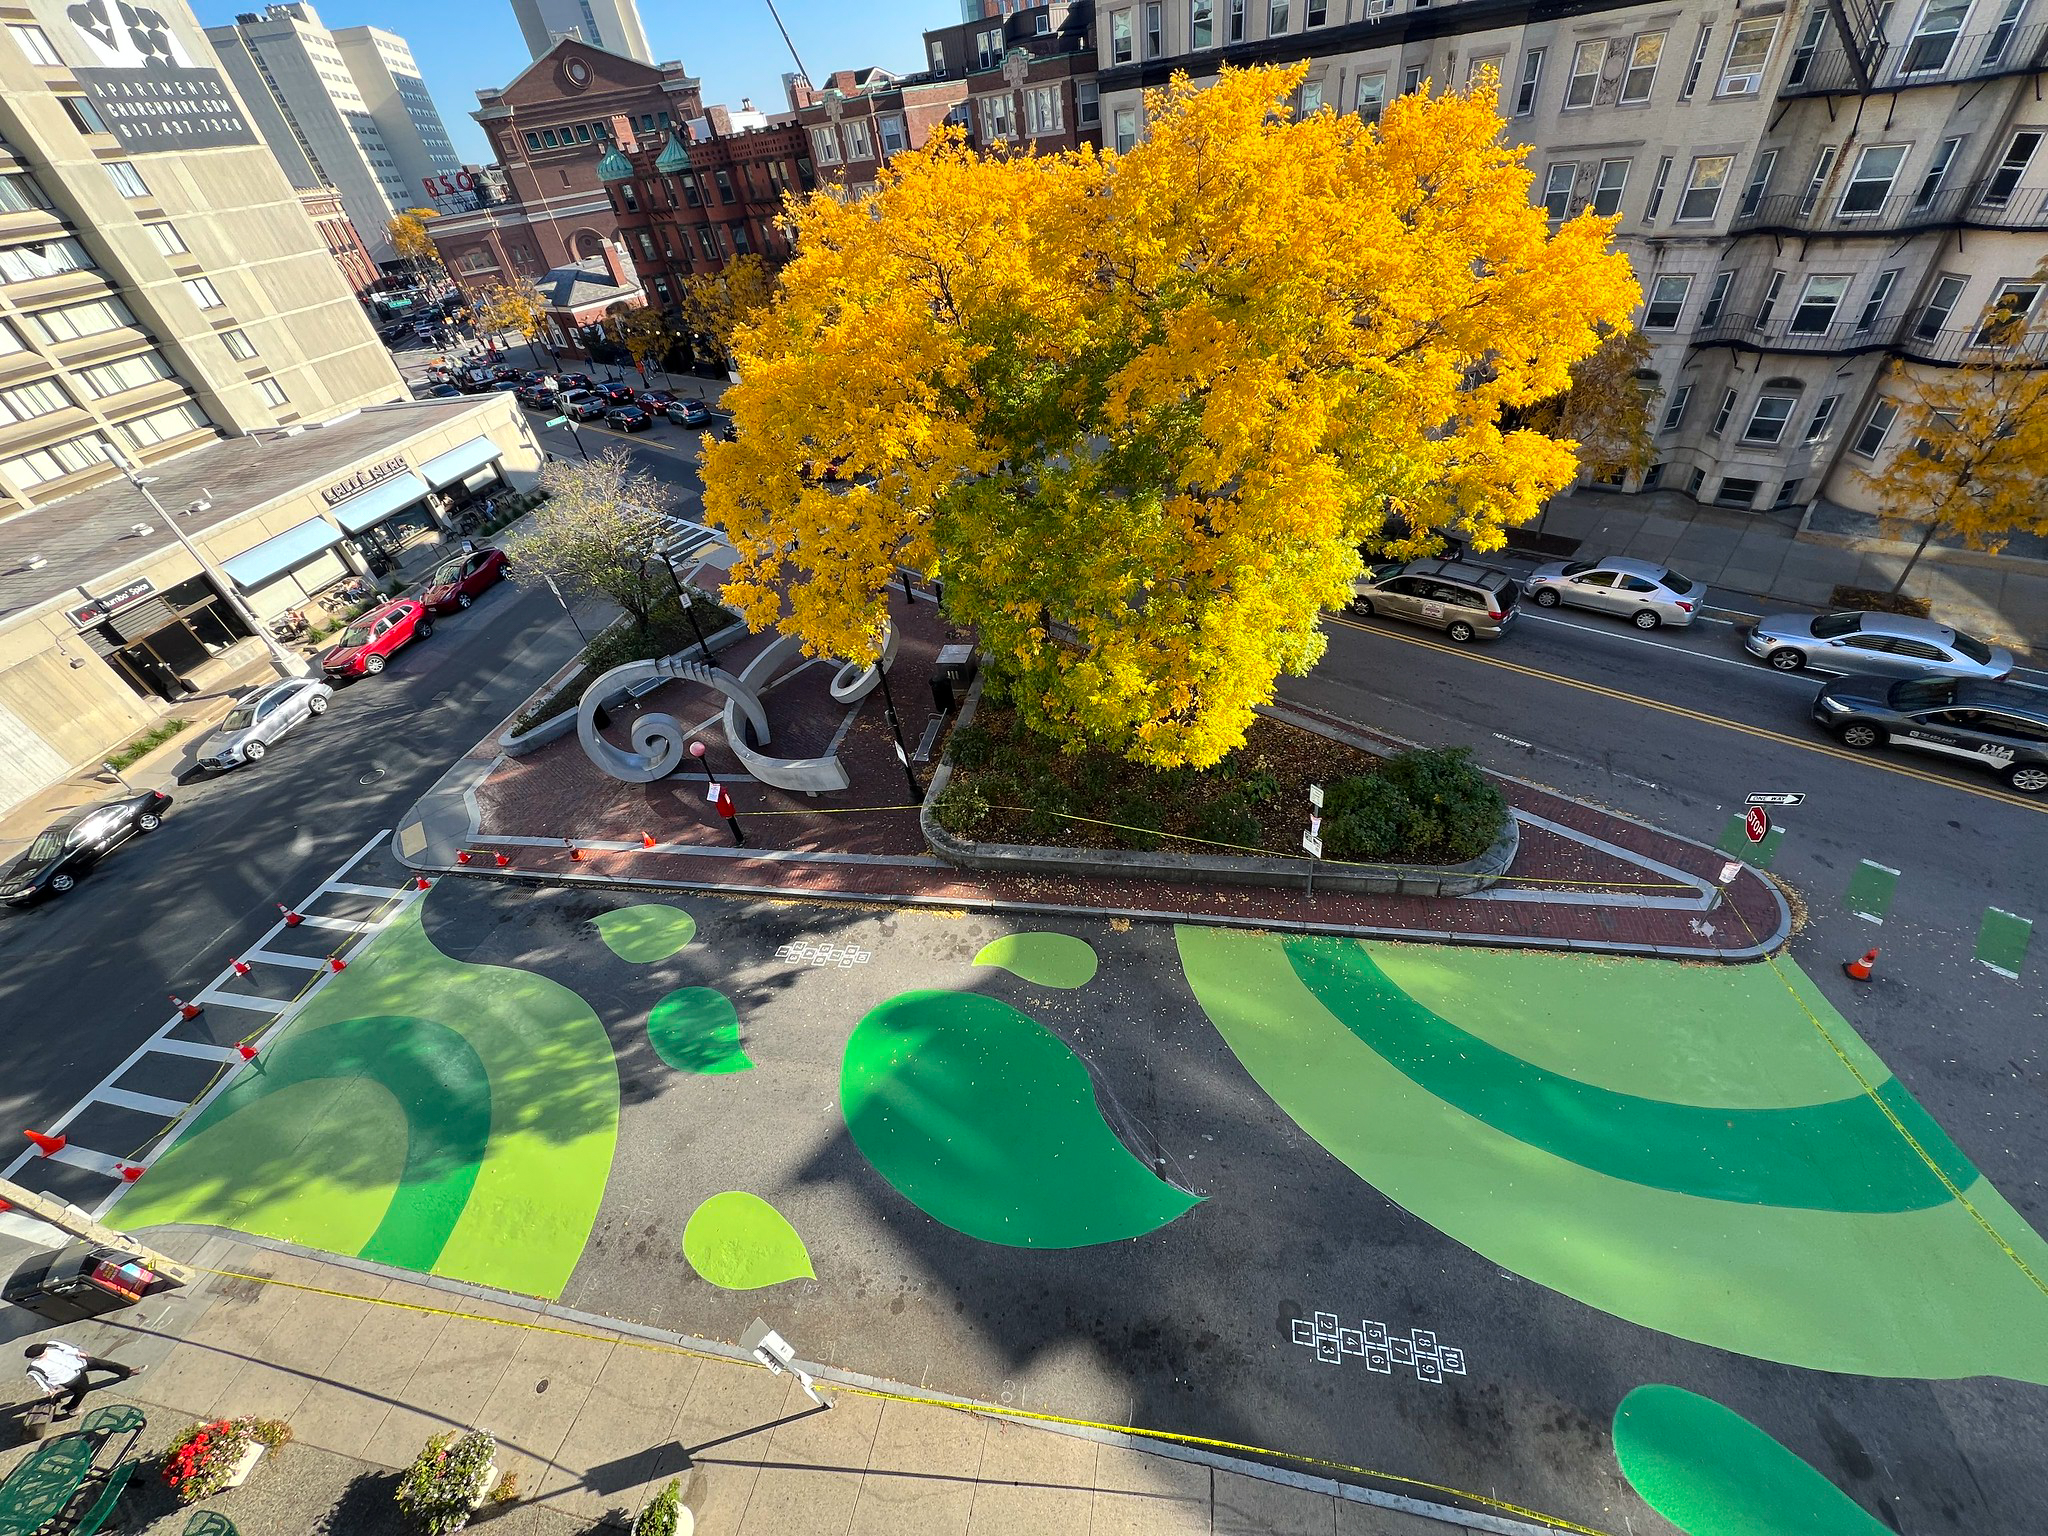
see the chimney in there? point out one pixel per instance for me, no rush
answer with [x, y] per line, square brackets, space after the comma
[618, 264]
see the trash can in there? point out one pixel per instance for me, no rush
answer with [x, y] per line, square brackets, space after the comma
[77, 1281]
[956, 665]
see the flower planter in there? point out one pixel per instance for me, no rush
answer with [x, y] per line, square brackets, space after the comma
[245, 1464]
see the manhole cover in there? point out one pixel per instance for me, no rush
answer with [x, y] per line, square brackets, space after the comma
[371, 777]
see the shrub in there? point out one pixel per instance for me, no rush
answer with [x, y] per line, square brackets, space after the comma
[1421, 807]
[970, 747]
[995, 687]
[439, 1490]
[1259, 788]
[661, 1514]
[960, 808]
[1048, 806]
[1093, 776]
[1229, 819]
[1139, 819]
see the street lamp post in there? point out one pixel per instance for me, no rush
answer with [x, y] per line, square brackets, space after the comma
[895, 730]
[286, 664]
[576, 436]
[720, 795]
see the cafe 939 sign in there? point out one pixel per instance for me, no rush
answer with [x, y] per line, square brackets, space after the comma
[144, 84]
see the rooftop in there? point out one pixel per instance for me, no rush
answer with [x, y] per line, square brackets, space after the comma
[587, 282]
[85, 537]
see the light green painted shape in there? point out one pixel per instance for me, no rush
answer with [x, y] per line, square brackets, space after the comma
[554, 1111]
[1645, 1027]
[646, 933]
[1871, 890]
[697, 1029]
[1920, 1293]
[741, 1242]
[1736, 844]
[1050, 959]
[317, 1167]
[1711, 1472]
[2002, 941]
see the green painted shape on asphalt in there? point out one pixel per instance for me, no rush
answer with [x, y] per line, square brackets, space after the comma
[1637, 1026]
[647, 932]
[1736, 844]
[554, 1114]
[1923, 1293]
[697, 1029]
[1839, 1155]
[987, 1122]
[2002, 941]
[1049, 959]
[742, 1243]
[1870, 891]
[1711, 1472]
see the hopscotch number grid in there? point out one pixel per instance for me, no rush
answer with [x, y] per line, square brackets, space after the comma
[1382, 1351]
[841, 955]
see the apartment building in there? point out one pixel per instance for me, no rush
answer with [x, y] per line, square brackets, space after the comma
[374, 136]
[1810, 193]
[344, 244]
[860, 117]
[613, 25]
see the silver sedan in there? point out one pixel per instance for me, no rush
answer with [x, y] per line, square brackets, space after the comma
[1645, 594]
[1874, 645]
[257, 722]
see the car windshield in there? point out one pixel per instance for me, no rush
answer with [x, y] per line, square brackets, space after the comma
[448, 574]
[1832, 626]
[1573, 567]
[1923, 693]
[239, 718]
[44, 848]
[356, 634]
[1679, 584]
[1972, 647]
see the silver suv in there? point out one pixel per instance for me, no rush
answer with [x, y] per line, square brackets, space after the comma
[1464, 600]
[260, 719]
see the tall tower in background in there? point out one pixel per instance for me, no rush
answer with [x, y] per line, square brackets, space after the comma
[613, 25]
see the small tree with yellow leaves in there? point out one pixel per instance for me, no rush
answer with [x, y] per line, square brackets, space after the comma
[717, 304]
[514, 307]
[409, 237]
[645, 334]
[1137, 411]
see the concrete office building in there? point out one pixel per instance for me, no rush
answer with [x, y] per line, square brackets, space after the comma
[163, 293]
[1805, 205]
[613, 25]
[375, 138]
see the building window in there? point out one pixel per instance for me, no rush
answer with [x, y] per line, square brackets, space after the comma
[271, 392]
[82, 114]
[1737, 493]
[1311, 99]
[1276, 18]
[583, 133]
[1584, 79]
[56, 461]
[129, 373]
[692, 195]
[1940, 305]
[995, 116]
[1759, 184]
[2005, 322]
[1807, 45]
[532, 140]
[1641, 74]
[1787, 494]
[860, 145]
[1819, 302]
[1937, 172]
[1871, 182]
[167, 239]
[126, 179]
[1657, 185]
[704, 242]
[894, 141]
[1717, 295]
[1318, 13]
[2001, 35]
[1721, 416]
[939, 52]
[1233, 24]
[1119, 38]
[548, 139]
[203, 293]
[1532, 76]
[1877, 426]
[1087, 103]
[1411, 79]
[1703, 186]
[1674, 412]
[1042, 114]
[629, 198]
[45, 258]
[1999, 189]
[989, 47]
[162, 426]
[825, 145]
[1873, 306]
[1694, 480]
[32, 400]
[1767, 421]
[1557, 191]
[1772, 289]
[239, 346]
[1126, 129]
[1155, 21]
[1653, 477]
[1816, 183]
[9, 342]
[1043, 23]
[646, 244]
[1666, 302]
[1934, 37]
[1201, 23]
[740, 243]
[1607, 190]
[1823, 417]
[1698, 64]
[77, 320]
[19, 193]
[1370, 96]
[1748, 51]
[35, 42]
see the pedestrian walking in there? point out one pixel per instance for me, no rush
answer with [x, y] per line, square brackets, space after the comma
[63, 1370]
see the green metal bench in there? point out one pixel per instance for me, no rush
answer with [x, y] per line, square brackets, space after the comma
[103, 1507]
[104, 1425]
[207, 1522]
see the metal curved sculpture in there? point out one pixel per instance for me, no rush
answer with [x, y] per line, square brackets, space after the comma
[658, 740]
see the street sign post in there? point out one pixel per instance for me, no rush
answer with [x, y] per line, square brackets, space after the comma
[1312, 839]
[1756, 825]
[1775, 797]
[556, 421]
[779, 1355]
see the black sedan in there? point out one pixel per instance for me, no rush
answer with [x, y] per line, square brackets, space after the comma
[66, 849]
[616, 392]
[690, 413]
[1995, 726]
[628, 418]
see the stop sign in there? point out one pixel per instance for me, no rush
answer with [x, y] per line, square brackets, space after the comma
[1757, 823]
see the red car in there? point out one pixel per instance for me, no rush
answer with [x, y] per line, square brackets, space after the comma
[368, 643]
[459, 582]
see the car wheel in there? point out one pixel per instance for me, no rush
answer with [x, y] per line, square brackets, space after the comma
[463, 599]
[1461, 631]
[148, 821]
[2027, 778]
[426, 628]
[62, 883]
[254, 752]
[1362, 606]
[373, 665]
[318, 706]
[1546, 597]
[1646, 619]
[1785, 659]
[1862, 735]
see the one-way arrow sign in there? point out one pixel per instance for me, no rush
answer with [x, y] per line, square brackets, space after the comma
[1774, 797]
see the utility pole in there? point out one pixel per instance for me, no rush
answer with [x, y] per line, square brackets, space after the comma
[65, 1219]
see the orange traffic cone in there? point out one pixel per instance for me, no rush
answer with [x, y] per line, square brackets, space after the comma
[646, 839]
[241, 967]
[336, 963]
[185, 1010]
[575, 854]
[291, 918]
[463, 857]
[1859, 970]
[130, 1172]
[49, 1146]
[424, 883]
[502, 861]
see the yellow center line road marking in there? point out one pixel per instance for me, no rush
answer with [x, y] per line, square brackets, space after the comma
[1825, 749]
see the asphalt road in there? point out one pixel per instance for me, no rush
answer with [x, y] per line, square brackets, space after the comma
[85, 977]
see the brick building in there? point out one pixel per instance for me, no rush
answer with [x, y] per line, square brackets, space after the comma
[323, 207]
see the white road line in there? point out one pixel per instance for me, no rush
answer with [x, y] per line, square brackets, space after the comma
[204, 1050]
[244, 1000]
[85, 1157]
[348, 889]
[1755, 668]
[339, 924]
[279, 957]
[148, 1103]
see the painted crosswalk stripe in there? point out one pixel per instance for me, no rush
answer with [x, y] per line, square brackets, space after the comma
[2002, 941]
[203, 1050]
[350, 888]
[148, 1103]
[278, 957]
[338, 924]
[1871, 890]
[85, 1157]
[245, 1000]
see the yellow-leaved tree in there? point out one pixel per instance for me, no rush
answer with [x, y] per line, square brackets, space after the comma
[409, 237]
[515, 307]
[717, 304]
[1137, 411]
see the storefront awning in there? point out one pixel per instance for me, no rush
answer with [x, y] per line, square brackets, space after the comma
[459, 463]
[379, 502]
[278, 554]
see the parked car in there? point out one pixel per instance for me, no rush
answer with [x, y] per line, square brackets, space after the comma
[442, 391]
[255, 724]
[459, 582]
[628, 418]
[537, 396]
[584, 405]
[1396, 529]
[1879, 644]
[369, 643]
[1646, 595]
[505, 373]
[654, 401]
[67, 848]
[1464, 600]
[689, 413]
[1989, 725]
[616, 392]
[567, 382]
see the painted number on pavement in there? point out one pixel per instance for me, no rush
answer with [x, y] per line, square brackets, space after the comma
[1381, 1350]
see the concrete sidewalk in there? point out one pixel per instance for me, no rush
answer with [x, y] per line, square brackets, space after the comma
[365, 1364]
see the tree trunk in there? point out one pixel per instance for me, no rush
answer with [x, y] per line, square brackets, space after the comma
[1926, 534]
